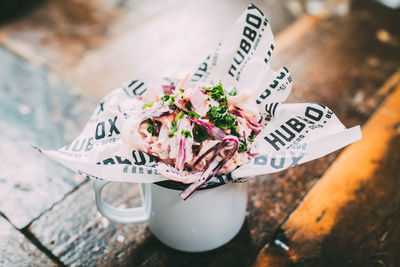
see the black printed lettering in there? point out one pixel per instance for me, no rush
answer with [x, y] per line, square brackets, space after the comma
[275, 139]
[271, 108]
[113, 128]
[290, 134]
[239, 59]
[295, 124]
[249, 36]
[251, 6]
[281, 76]
[135, 90]
[121, 161]
[108, 161]
[314, 113]
[253, 20]
[102, 133]
[231, 70]
[306, 120]
[245, 46]
[249, 33]
[139, 157]
[274, 84]
[265, 94]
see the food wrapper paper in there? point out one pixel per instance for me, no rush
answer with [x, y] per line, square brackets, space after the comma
[293, 133]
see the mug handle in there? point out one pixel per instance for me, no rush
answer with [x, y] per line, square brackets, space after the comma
[131, 215]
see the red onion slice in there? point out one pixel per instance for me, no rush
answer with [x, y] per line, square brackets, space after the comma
[168, 89]
[214, 166]
[181, 158]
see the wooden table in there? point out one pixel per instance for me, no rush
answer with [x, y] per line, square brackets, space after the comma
[61, 57]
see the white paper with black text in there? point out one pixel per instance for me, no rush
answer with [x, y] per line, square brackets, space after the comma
[293, 133]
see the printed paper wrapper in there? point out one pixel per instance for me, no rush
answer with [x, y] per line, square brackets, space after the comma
[293, 133]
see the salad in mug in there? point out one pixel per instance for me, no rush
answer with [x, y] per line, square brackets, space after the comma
[195, 133]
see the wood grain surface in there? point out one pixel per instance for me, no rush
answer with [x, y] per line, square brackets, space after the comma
[16, 250]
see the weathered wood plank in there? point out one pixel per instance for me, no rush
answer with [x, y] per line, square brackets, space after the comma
[16, 250]
[77, 234]
[329, 68]
[85, 40]
[36, 108]
[351, 215]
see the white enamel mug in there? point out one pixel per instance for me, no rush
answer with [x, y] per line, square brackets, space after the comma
[206, 220]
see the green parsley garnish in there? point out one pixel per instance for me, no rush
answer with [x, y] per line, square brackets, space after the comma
[149, 105]
[233, 92]
[200, 134]
[222, 118]
[188, 106]
[172, 103]
[173, 126]
[217, 93]
[234, 131]
[165, 98]
[252, 135]
[186, 133]
[182, 90]
[242, 146]
[150, 127]
[193, 114]
[180, 115]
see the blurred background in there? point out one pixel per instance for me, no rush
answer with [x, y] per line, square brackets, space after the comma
[59, 57]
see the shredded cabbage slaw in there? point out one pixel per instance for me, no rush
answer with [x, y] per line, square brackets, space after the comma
[195, 133]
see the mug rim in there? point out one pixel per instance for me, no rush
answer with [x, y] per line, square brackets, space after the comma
[174, 185]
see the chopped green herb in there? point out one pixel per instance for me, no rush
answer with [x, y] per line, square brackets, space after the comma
[180, 115]
[252, 135]
[188, 106]
[165, 98]
[149, 105]
[200, 134]
[242, 146]
[150, 127]
[193, 114]
[233, 92]
[173, 126]
[218, 93]
[171, 104]
[234, 131]
[186, 133]
[182, 90]
[222, 118]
